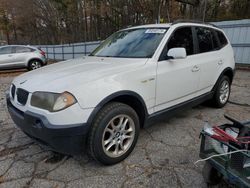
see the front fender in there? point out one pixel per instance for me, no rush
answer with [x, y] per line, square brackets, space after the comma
[115, 95]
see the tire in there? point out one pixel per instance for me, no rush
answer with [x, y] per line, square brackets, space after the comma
[34, 64]
[222, 92]
[211, 175]
[105, 140]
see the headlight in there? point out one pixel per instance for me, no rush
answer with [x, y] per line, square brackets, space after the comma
[52, 102]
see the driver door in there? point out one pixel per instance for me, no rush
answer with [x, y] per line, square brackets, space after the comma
[177, 79]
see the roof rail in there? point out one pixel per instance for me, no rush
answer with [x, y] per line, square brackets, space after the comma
[192, 21]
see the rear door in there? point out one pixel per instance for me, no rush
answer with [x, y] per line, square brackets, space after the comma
[208, 57]
[6, 57]
[21, 54]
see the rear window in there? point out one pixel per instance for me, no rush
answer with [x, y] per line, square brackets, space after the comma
[222, 39]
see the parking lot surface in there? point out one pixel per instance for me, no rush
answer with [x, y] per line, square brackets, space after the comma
[164, 155]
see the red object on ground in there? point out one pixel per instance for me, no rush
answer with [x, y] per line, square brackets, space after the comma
[223, 136]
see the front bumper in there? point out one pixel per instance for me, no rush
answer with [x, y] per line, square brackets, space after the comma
[70, 139]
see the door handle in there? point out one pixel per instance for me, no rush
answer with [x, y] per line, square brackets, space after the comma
[195, 68]
[220, 62]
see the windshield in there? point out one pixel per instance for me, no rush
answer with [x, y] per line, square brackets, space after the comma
[132, 43]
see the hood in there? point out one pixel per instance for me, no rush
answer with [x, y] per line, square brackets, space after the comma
[62, 76]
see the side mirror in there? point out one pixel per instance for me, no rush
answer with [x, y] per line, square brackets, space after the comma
[177, 53]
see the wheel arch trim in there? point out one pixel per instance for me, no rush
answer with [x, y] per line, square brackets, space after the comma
[228, 69]
[34, 58]
[114, 96]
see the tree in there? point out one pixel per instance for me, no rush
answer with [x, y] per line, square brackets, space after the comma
[68, 21]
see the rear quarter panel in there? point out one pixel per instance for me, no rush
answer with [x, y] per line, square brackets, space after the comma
[32, 55]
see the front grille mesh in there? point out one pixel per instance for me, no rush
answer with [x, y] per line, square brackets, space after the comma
[22, 96]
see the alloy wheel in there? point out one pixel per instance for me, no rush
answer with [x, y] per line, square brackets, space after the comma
[118, 136]
[35, 65]
[224, 91]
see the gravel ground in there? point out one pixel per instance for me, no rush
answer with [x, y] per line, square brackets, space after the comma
[164, 156]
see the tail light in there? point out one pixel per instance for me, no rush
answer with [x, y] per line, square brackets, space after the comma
[42, 53]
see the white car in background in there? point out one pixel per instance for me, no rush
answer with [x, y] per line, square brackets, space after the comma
[100, 102]
[19, 56]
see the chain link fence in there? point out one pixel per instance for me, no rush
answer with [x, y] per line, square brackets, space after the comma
[69, 51]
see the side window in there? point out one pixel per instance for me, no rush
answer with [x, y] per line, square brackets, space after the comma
[182, 37]
[6, 50]
[204, 37]
[222, 38]
[20, 49]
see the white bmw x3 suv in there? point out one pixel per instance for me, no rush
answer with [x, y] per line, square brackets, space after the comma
[100, 102]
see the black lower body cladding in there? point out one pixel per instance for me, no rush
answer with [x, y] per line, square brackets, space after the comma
[68, 139]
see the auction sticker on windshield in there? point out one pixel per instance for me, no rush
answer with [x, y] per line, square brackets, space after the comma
[160, 31]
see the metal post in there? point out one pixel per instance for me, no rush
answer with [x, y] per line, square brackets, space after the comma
[47, 52]
[54, 53]
[85, 48]
[73, 50]
[63, 52]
